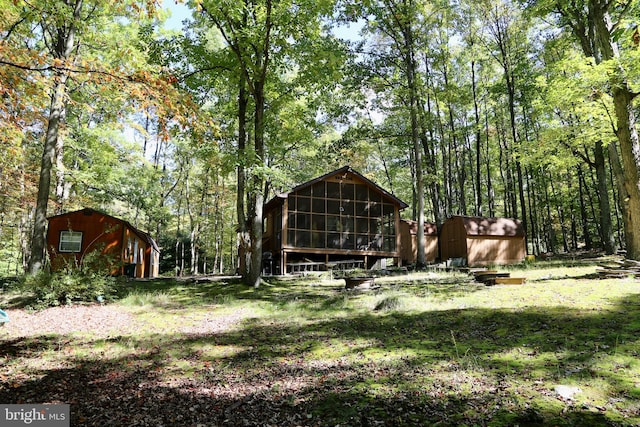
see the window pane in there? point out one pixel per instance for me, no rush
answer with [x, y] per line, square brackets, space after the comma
[303, 221]
[333, 190]
[362, 192]
[348, 191]
[318, 222]
[376, 243]
[70, 241]
[333, 207]
[347, 208]
[304, 204]
[362, 242]
[389, 244]
[318, 205]
[306, 191]
[375, 209]
[362, 209]
[333, 240]
[348, 240]
[318, 239]
[303, 239]
[318, 189]
[362, 225]
[347, 224]
[332, 222]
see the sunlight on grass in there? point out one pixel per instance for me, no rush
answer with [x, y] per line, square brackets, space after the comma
[434, 342]
[159, 299]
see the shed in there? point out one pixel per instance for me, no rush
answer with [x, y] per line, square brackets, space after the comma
[409, 241]
[126, 250]
[483, 241]
[341, 219]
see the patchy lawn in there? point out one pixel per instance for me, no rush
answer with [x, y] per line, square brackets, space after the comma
[422, 349]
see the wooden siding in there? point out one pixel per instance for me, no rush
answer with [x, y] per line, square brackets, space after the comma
[122, 245]
[482, 241]
[488, 250]
[409, 241]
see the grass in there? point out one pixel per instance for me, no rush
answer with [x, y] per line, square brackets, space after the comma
[422, 349]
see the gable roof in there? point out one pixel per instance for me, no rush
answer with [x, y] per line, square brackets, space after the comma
[89, 211]
[342, 171]
[480, 226]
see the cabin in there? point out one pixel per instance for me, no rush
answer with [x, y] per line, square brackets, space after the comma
[482, 241]
[125, 249]
[339, 220]
[409, 241]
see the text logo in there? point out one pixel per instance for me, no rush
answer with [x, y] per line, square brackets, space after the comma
[35, 415]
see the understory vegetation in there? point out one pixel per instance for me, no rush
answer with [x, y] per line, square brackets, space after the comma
[429, 348]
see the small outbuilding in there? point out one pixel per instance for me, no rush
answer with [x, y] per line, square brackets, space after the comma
[483, 241]
[409, 241]
[125, 250]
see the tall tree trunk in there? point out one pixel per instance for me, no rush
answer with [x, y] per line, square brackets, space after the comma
[630, 153]
[243, 232]
[427, 136]
[595, 32]
[410, 65]
[61, 50]
[255, 193]
[39, 238]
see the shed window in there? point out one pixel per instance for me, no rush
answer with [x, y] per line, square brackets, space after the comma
[70, 241]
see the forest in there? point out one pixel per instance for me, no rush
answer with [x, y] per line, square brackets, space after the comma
[522, 109]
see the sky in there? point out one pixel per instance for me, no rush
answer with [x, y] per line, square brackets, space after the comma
[179, 12]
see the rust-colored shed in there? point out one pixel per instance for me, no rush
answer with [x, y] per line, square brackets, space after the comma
[340, 219]
[128, 251]
[409, 241]
[483, 241]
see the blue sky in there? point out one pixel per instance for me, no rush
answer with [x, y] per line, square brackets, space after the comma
[179, 12]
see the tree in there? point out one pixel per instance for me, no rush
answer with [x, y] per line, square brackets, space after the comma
[396, 23]
[70, 47]
[598, 26]
[260, 35]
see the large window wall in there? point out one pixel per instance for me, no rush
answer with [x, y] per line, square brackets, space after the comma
[340, 215]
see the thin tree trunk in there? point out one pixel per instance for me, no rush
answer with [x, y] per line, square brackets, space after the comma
[478, 145]
[608, 240]
[586, 235]
[551, 235]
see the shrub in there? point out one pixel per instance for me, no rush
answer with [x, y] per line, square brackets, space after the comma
[71, 284]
